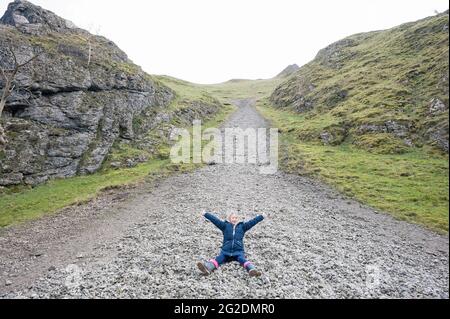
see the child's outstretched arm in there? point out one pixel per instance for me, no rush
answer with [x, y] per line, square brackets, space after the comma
[216, 221]
[252, 223]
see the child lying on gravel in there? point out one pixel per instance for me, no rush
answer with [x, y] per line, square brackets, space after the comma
[233, 244]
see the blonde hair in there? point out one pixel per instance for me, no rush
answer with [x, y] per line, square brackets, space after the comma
[230, 214]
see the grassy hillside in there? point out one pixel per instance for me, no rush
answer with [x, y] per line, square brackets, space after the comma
[369, 116]
[243, 89]
[225, 92]
[384, 91]
[412, 186]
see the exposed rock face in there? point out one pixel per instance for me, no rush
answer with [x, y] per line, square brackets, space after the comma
[437, 106]
[393, 127]
[77, 99]
[23, 14]
[295, 93]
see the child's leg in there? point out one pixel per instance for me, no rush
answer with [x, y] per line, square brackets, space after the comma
[249, 266]
[243, 261]
[209, 266]
[219, 260]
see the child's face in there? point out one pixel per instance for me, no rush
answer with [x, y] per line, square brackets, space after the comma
[234, 219]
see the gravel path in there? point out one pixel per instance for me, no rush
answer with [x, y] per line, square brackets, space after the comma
[144, 242]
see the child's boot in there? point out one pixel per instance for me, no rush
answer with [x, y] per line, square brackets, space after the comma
[252, 271]
[207, 267]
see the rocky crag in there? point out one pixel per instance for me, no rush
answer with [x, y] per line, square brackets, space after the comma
[78, 99]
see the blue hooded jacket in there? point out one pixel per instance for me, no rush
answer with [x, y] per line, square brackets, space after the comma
[233, 237]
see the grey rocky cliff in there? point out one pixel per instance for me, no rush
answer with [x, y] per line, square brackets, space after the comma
[70, 106]
[23, 14]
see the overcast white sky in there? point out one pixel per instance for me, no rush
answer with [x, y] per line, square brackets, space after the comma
[211, 41]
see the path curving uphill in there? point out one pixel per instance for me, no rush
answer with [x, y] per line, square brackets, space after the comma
[145, 243]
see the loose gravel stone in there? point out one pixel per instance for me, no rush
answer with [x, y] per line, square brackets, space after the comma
[313, 244]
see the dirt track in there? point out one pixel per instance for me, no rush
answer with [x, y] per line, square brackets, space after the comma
[144, 243]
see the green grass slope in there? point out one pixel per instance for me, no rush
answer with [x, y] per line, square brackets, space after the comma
[412, 186]
[369, 116]
[243, 89]
[384, 91]
[225, 92]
